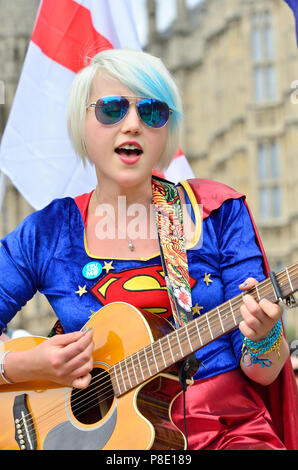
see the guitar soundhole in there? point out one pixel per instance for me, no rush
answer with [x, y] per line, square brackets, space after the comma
[93, 403]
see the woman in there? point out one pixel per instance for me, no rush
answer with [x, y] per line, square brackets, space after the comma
[126, 137]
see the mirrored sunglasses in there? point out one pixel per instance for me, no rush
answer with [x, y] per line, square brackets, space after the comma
[112, 109]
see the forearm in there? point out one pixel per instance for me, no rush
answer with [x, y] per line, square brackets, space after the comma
[262, 374]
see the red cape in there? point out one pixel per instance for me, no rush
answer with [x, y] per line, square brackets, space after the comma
[281, 397]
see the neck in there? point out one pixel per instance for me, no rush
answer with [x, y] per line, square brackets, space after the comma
[127, 210]
[118, 196]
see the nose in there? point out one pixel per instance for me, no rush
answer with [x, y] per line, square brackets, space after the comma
[131, 122]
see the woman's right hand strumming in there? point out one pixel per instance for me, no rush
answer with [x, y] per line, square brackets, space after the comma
[64, 359]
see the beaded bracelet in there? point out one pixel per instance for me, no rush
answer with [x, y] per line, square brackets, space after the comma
[2, 372]
[271, 343]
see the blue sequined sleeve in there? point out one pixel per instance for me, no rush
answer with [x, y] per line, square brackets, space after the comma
[24, 256]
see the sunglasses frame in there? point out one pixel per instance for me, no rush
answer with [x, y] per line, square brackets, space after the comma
[135, 100]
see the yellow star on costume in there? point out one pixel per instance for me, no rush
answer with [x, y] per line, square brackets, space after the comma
[196, 309]
[207, 279]
[108, 266]
[81, 291]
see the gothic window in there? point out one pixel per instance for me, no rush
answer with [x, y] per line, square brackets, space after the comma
[264, 74]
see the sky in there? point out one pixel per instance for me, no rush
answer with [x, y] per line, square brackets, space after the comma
[166, 12]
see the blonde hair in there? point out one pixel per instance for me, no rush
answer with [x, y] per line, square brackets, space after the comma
[145, 75]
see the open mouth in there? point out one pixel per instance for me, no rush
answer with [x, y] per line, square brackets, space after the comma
[128, 150]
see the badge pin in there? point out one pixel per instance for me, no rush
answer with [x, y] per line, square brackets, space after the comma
[92, 270]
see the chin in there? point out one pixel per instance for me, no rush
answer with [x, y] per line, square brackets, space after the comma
[133, 178]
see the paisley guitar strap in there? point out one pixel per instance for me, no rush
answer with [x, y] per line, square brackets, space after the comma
[169, 222]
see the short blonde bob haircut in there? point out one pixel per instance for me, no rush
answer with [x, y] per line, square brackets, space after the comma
[145, 75]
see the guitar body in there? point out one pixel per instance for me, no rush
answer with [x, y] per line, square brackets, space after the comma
[44, 415]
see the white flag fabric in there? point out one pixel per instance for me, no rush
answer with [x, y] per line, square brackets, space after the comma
[35, 151]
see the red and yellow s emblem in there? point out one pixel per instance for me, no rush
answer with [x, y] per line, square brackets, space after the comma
[144, 287]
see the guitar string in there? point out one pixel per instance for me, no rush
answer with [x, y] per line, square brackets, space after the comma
[150, 351]
[150, 346]
[105, 397]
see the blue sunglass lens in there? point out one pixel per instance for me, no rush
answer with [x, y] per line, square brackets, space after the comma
[112, 109]
[153, 112]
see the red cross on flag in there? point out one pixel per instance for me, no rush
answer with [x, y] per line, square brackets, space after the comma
[35, 150]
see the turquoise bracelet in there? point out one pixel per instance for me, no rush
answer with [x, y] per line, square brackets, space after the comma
[268, 344]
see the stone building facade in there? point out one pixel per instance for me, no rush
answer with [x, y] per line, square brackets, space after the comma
[235, 62]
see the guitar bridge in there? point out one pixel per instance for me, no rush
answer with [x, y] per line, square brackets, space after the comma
[24, 429]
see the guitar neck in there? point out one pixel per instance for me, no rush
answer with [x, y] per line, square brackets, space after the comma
[174, 347]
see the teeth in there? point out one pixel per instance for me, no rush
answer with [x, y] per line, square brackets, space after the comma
[129, 147]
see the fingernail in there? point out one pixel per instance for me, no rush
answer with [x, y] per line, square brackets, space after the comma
[244, 284]
[86, 329]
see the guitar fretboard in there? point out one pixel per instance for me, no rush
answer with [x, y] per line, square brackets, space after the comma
[172, 348]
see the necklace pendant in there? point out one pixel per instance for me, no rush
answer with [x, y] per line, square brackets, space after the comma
[131, 245]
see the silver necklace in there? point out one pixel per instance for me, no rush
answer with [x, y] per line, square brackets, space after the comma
[130, 243]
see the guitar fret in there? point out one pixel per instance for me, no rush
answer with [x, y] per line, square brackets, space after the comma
[221, 323]
[196, 323]
[147, 363]
[163, 358]
[177, 355]
[141, 368]
[153, 354]
[127, 372]
[134, 371]
[179, 342]
[173, 359]
[231, 307]
[191, 347]
[116, 377]
[290, 282]
[209, 326]
[120, 368]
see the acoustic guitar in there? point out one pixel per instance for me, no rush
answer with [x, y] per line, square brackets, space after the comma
[134, 380]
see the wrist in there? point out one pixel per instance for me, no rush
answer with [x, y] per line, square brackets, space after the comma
[3, 372]
[257, 352]
[266, 375]
[16, 367]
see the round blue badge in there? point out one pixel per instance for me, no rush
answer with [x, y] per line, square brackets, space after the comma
[92, 270]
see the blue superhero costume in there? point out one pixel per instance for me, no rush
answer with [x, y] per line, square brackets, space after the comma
[47, 252]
